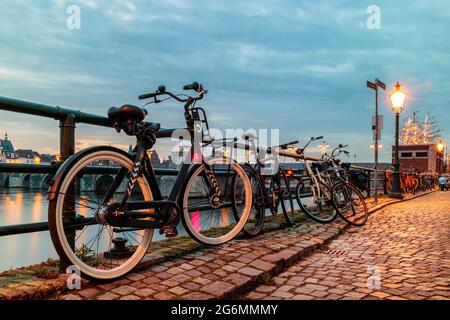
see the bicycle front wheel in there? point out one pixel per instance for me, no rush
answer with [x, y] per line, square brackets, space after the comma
[349, 203]
[256, 218]
[214, 222]
[315, 200]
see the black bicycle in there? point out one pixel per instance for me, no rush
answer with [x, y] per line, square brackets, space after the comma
[347, 198]
[313, 194]
[269, 190]
[104, 203]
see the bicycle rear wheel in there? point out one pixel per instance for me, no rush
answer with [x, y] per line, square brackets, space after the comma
[349, 203]
[315, 200]
[81, 235]
[281, 194]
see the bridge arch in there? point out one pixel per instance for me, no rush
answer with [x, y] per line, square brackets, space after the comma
[45, 181]
[6, 182]
[26, 181]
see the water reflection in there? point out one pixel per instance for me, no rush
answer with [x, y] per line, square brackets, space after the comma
[19, 206]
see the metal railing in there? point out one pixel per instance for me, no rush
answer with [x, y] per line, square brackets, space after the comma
[68, 118]
[370, 172]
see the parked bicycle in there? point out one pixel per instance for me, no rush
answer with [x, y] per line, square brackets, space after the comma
[270, 191]
[347, 198]
[312, 193]
[324, 184]
[107, 231]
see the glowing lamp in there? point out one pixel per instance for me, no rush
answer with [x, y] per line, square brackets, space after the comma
[397, 99]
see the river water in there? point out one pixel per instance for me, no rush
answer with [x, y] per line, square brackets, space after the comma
[19, 206]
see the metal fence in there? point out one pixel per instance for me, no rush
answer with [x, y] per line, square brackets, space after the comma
[67, 119]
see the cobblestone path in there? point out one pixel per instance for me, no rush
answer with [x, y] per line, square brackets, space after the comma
[403, 252]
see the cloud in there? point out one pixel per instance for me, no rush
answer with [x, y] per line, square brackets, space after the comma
[297, 66]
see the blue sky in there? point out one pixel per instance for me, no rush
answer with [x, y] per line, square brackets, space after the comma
[300, 66]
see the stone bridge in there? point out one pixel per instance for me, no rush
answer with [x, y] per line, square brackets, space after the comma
[25, 180]
[89, 182]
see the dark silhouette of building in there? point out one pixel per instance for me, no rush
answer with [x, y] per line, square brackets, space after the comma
[7, 153]
[28, 156]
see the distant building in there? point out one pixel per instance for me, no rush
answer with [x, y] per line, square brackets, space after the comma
[7, 153]
[447, 165]
[422, 157]
[48, 158]
[28, 156]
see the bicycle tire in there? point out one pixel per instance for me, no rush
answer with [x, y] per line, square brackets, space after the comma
[342, 207]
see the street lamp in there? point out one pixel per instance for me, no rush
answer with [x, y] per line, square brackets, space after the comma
[440, 146]
[397, 100]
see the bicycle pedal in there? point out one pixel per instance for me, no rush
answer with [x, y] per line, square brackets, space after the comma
[169, 231]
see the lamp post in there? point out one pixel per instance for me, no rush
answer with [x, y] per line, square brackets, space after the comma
[440, 146]
[397, 100]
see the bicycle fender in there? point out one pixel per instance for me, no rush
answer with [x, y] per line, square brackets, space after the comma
[69, 163]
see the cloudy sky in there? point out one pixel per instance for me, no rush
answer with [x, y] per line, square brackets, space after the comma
[299, 66]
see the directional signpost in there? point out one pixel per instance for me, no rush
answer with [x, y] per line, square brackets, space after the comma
[377, 125]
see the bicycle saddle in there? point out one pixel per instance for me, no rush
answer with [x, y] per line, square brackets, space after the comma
[248, 136]
[126, 112]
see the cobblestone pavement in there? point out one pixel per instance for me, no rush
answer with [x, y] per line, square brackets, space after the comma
[403, 252]
[221, 272]
[406, 242]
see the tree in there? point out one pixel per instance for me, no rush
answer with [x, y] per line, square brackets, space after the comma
[415, 131]
[430, 131]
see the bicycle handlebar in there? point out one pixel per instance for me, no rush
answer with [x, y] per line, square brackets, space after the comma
[194, 86]
[162, 91]
[148, 95]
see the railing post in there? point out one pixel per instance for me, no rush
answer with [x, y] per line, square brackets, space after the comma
[66, 149]
[67, 136]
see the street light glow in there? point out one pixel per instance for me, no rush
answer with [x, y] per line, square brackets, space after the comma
[397, 99]
[440, 147]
